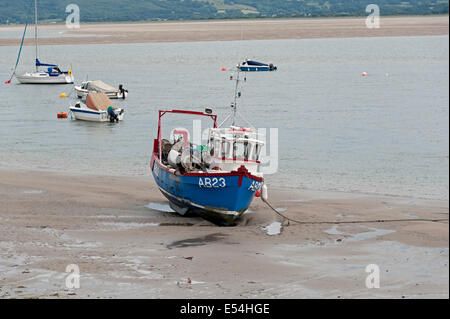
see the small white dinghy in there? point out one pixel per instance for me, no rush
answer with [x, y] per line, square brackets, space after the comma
[97, 108]
[99, 86]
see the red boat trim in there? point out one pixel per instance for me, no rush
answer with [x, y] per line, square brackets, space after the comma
[242, 171]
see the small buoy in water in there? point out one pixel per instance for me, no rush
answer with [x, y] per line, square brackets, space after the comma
[63, 95]
[224, 69]
[62, 115]
[364, 73]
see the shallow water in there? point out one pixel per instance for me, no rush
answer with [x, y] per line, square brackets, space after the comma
[386, 133]
[273, 229]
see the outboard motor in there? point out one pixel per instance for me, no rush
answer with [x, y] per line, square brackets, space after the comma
[112, 115]
[122, 91]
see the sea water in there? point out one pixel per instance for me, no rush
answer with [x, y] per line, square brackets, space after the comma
[384, 133]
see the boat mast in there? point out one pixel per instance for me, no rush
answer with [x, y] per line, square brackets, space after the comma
[236, 95]
[35, 31]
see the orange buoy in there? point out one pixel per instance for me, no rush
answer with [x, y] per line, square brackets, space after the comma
[364, 73]
[224, 69]
[258, 193]
[62, 115]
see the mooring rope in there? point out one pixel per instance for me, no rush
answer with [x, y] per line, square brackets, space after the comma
[347, 221]
[353, 221]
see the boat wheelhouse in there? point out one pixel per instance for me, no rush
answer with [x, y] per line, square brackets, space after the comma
[235, 146]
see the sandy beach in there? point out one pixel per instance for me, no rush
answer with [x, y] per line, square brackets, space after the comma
[237, 30]
[127, 243]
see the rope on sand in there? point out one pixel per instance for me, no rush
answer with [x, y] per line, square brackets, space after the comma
[264, 199]
[352, 221]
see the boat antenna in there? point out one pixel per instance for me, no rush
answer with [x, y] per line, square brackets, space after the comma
[36, 30]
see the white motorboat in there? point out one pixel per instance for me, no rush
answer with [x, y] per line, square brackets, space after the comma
[254, 66]
[52, 74]
[97, 108]
[99, 86]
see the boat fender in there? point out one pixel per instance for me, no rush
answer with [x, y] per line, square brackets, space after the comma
[174, 158]
[264, 193]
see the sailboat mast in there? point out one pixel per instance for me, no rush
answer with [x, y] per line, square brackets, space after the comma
[36, 30]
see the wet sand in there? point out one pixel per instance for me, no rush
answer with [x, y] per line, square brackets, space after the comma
[220, 30]
[127, 243]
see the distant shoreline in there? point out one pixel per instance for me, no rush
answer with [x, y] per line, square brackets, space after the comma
[62, 23]
[236, 29]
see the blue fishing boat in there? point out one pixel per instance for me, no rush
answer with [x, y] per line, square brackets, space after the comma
[253, 66]
[217, 181]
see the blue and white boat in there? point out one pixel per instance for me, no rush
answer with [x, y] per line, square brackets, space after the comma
[51, 75]
[253, 66]
[96, 108]
[217, 181]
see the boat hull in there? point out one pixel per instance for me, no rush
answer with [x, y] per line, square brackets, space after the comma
[255, 68]
[84, 114]
[112, 95]
[45, 78]
[218, 197]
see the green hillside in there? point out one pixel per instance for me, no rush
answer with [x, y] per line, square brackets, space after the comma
[149, 10]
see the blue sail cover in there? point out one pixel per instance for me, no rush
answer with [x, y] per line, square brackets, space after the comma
[249, 62]
[38, 63]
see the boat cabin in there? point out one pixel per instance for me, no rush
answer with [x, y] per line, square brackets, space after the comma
[234, 146]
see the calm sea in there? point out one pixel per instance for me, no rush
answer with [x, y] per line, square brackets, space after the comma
[386, 133]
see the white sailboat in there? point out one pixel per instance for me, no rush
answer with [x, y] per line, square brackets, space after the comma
[52, 74]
